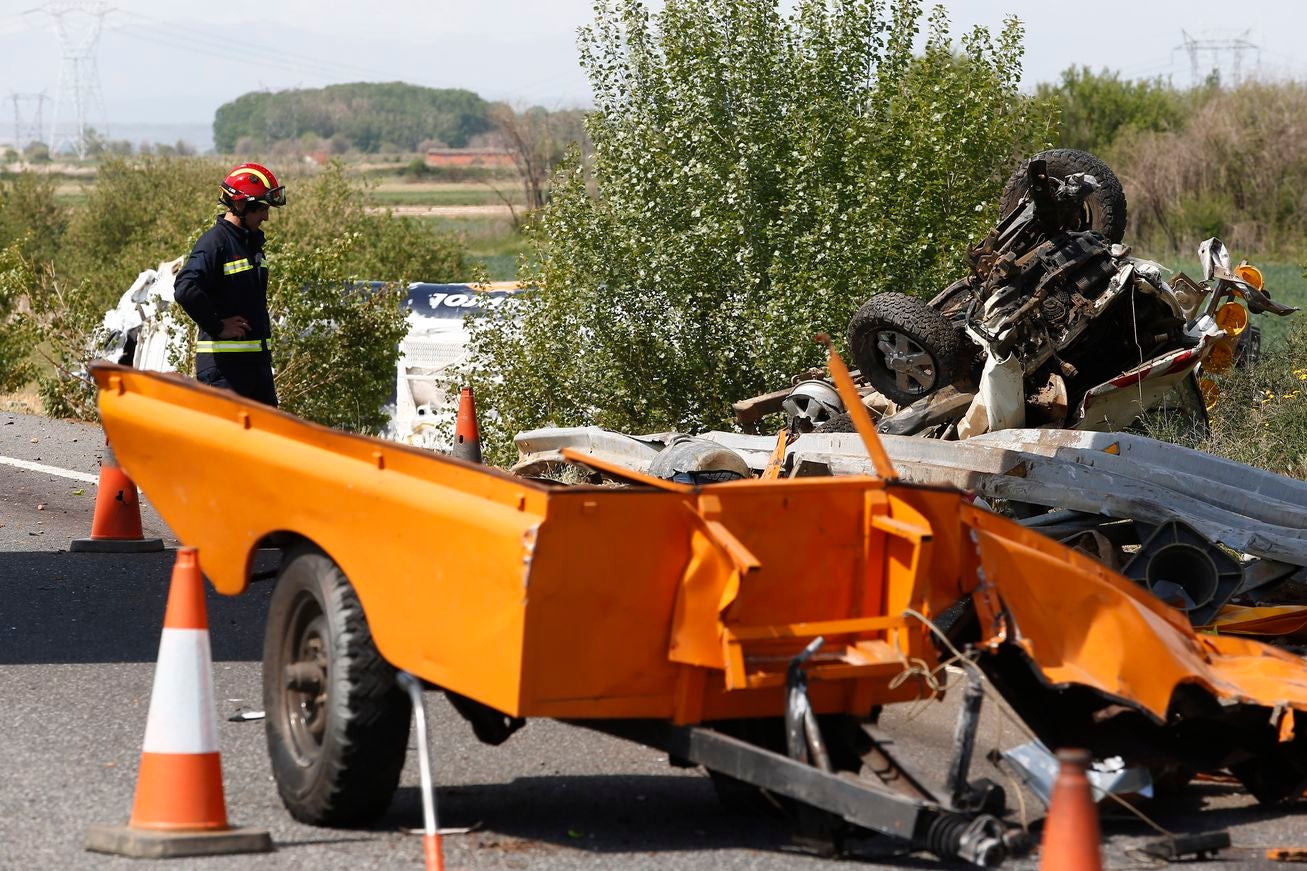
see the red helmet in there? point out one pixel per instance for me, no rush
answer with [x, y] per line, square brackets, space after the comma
[252, 183]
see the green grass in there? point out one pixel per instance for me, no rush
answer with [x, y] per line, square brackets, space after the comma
[426, 196]
[498, 267]
[492, 242]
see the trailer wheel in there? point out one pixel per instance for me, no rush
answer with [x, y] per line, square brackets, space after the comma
[337, 723]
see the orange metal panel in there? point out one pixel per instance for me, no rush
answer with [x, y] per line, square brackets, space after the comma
[621, 602]
[1083, 624]
[538, 601]
[1279, 620]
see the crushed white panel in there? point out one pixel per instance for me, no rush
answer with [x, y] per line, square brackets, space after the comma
[1038, 767]
[431, 354]
[148, 312]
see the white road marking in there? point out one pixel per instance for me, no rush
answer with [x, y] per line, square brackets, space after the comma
[49, 470]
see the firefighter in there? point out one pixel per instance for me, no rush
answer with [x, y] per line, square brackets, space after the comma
[224, 288]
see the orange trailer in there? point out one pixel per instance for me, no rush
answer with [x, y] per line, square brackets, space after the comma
[754, 627]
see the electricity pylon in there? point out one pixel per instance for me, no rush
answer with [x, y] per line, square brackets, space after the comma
[28, 124]
[1234, 47]
[77, 24]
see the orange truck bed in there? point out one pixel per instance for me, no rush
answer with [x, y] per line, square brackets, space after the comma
[686, 603]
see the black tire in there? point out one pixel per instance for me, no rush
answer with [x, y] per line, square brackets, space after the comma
[1105, 210]
[842, 422]
[953, 301]
[905, 348]
[1248, 351]
[337, 723]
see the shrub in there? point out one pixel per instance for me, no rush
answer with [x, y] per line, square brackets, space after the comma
[335, 346]
[44, 334]
[755, 178]
[138, 213]
[16, 337]
[1239, 166]
[1095, 108]
[30, 215]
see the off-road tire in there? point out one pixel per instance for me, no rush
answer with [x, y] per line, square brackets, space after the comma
[1105, 208]
[337, 745]
[920, 325]
[842, 422]
[1248, 351]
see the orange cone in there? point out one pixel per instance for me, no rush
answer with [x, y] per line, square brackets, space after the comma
[116, 527]
[179, 808]
[1071, 830]
[467, 438]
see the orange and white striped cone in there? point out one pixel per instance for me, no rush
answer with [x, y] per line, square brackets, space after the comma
[179, 808]
[116, 526]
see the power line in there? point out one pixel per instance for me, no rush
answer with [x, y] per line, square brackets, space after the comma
[168, 34]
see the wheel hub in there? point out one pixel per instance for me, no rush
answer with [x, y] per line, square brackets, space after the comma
[912, 365]
[305, 679]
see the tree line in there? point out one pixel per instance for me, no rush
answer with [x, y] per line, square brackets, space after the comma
[366, 117]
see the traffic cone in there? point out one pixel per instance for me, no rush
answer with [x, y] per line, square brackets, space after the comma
[116, 527]
[1071, 829]
[179, 808]
[467, 438]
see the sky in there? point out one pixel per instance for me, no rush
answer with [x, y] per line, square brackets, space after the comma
[171, 63]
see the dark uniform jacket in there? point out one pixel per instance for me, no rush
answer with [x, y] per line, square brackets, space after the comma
[226, 276]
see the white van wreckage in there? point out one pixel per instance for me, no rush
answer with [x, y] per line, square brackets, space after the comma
[147, 331]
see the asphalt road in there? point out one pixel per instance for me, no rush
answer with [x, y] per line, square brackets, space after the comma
[78, 638]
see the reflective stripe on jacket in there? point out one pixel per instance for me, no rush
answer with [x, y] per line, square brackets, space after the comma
[230, 346]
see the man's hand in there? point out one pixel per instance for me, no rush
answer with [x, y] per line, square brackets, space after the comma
[234, 327]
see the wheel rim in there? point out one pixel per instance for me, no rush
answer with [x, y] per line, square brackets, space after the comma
[912, 366]
[1086, 218]
[305, 678]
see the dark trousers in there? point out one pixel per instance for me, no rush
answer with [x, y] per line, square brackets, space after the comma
[250, 377]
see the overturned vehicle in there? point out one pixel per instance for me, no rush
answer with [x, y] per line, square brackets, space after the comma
[1055, 325]
[1034, 367]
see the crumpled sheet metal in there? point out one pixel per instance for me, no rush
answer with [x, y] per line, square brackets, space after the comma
[1273, 621]
[1114, 474]
[1095, 628]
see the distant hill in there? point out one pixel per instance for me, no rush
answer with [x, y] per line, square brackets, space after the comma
[365, 116]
